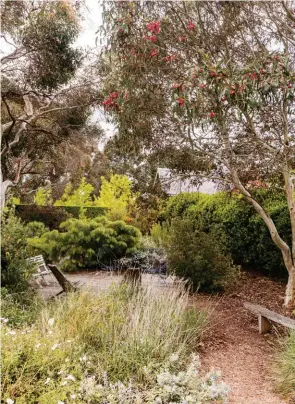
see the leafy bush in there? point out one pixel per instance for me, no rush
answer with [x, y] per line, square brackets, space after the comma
[242, 230]
[50, 216]
[85, 346]
[86, 243]
[15, 270]
[199, 257]
[286, 367]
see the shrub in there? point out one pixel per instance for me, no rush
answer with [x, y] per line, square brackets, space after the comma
[88, 345]
[199, 257]
[15, 270]
[286, 367]
[86, 243]
[50, 216]
[242, 230]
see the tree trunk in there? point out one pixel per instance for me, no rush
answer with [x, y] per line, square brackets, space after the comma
[290, 289]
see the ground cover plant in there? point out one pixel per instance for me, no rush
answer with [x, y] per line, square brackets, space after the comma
[118, 347]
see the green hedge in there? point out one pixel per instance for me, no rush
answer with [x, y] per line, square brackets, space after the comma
[245, 234]
[53, 216]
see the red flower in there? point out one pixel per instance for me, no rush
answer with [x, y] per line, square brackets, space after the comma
[151, 38]
[191, 26]
[254, 76]
[203, 85]
[175, 85]
[181, 101]
[114, 94]
[223, 98]
[212, 114]
[243, 87]
[182, 38]
[154, 27]
[154, 52]
[213, 74]
[290, 85]
[232, 92]
[276, 57]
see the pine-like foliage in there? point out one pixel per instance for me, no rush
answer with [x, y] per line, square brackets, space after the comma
[84, 243]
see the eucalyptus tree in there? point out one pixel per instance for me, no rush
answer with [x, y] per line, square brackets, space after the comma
[46, 97]
[212, 82]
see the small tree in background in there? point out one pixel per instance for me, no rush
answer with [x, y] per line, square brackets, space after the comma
[117, 196]
[43, 197]
[81, 196]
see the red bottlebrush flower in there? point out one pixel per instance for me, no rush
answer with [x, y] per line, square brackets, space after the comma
[182, 38]
[254, 76]
[175, 85]
[203, 85]
[195, 76]
[212, 114]
[212, 74]
[114, 94]
[167, 59]
[232, 92]
[191, 26]
[243, 87]
[223, 98]
[154, 52]
[154, 27]
[290, 85]
[181, 101]
[276, 57]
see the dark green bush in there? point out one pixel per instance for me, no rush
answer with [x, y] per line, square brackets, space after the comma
[53, 216]
[50, 216]
[241, 229]
[15, 270]
[88, 243]
[199, 257]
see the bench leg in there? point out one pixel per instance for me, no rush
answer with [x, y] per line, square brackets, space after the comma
[263, 324]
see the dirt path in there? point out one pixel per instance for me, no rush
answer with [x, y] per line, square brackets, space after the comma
[234, 346]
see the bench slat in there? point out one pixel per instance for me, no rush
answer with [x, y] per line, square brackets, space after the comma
[271, 315]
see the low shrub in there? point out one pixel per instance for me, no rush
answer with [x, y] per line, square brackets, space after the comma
[88, 243]
[86, 348]
[286, 367]
[199, 257]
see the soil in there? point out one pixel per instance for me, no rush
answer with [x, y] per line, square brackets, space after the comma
[232, 343]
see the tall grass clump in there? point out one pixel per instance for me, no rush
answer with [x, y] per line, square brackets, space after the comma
[286, 367]
[98, 340]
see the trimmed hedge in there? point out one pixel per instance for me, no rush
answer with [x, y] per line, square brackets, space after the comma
[53, 216]
[244, 232]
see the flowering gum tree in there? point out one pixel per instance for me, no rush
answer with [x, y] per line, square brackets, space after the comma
[212, 82]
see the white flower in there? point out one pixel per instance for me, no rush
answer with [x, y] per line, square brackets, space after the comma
[174, 357]
[69, 341]
[71, 377]
[9, 401]
[11, 332]
[63, 383]
[73, 395]
[37, 346]
[60, 402]
[60, 372]
[83, 358]
[5, 320]
[54, 347]
[67, 360]
[51, 322]
[50, 332]
[47, 380]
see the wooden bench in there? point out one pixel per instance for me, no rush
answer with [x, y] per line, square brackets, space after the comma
[42, 269]
[265, 317]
